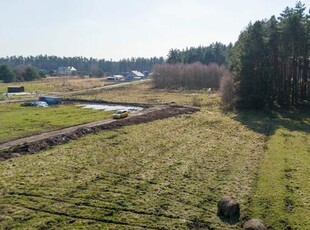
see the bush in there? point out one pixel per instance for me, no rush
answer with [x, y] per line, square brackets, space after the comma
[227, 90]
[31, 74]
[188, 76]
[27, 73]
[196, 101]
[6, 74]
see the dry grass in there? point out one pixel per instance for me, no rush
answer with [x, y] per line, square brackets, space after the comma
[145, 93]
[57, 84]
[71, 84]
[167, 174]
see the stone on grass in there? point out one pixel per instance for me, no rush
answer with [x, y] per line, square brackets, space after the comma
[228, 208]
[254, 224]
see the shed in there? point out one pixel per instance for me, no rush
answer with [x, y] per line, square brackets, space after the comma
[16, 89]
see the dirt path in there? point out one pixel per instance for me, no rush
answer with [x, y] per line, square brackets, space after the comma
[33, 144]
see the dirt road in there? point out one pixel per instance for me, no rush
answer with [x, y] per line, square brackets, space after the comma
[33, 144]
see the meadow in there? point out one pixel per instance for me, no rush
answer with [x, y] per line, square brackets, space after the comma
[19, 121]
[167, 174]
[54, 84]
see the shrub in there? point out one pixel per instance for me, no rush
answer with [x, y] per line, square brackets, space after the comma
[196, 101]
[27, 73]
[31, 74]
[6, 74]
[227, 90]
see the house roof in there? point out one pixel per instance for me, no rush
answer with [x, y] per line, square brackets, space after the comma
[137, 73]
[68, 68]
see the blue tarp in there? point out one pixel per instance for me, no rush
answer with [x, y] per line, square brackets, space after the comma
[51, 100]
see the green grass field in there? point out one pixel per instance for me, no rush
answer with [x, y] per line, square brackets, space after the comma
[17, 121]
[282, 192]
[167, 174]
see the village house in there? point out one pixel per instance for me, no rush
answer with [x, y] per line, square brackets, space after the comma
[134, 75]
[66, 70]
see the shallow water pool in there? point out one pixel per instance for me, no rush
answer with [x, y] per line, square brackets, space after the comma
[110, 107]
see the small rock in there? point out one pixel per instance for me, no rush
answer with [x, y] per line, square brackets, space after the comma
[15, 155]
[254, 224]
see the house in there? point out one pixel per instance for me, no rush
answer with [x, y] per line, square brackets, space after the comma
[116, 78]
[66, 70]
[16, 89]
[134, 75]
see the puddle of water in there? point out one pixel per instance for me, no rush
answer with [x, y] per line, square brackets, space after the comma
[110, 107]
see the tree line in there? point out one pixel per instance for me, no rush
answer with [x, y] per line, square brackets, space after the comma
[19, 73]
[214, 53]
[84, 66]
[271, 61]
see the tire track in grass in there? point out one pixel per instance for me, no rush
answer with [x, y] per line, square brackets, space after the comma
[81, 203]
[108, 175]
[78, 202]
[33, 200]
[63, 214]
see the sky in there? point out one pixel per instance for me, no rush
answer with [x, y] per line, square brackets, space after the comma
[116, 29]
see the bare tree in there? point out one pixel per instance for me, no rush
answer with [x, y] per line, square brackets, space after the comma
[188, 76]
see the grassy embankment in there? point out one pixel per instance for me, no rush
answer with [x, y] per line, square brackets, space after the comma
[164, 174]
[17, 121]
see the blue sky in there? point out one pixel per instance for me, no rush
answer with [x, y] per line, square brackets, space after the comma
[115, 29]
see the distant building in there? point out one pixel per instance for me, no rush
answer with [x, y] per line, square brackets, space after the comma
[16, 89]
[116, 78]
[134, 75]
[146, 73]
[66, 70]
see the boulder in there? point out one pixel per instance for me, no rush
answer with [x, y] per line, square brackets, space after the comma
[254, 224]
[228, 208]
